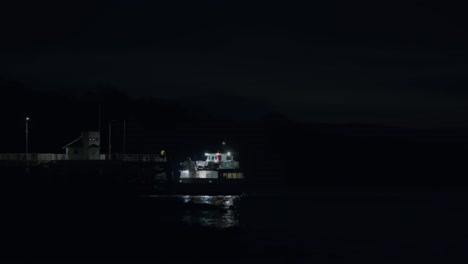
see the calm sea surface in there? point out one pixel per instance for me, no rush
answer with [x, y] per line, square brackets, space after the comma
[334, 226]
[395, 226]
[215, 211]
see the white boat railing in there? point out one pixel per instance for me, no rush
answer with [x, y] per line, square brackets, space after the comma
[223, 165]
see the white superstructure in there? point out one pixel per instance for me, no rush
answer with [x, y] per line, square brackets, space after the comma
[215, 166]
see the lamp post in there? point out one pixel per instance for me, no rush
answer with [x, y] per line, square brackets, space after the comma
[27, 150]
[110, 140]
[26, 120]
[123, 139]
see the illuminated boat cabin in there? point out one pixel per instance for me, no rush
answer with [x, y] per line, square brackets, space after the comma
[215, 166]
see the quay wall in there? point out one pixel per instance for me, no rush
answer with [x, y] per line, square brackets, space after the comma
[90, 177]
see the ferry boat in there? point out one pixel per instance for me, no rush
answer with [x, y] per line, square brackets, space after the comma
[218, 173]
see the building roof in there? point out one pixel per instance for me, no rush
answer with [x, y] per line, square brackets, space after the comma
[74, 142]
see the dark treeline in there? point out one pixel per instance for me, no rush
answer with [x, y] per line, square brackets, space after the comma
[271, 149]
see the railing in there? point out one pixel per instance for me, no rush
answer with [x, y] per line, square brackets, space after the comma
[141, 157]
[222, 165]
[47, 157]
[32, 157]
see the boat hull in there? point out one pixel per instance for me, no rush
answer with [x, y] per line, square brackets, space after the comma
[209, 189]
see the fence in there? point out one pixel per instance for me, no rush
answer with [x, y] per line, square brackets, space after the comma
[32, 157]
[141, 157]
[46, 157]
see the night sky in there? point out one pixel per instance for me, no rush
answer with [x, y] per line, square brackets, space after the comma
[332, 61]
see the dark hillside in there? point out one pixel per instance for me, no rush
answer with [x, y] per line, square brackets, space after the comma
[271, 149]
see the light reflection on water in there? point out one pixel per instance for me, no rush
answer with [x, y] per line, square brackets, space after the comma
[218, 211]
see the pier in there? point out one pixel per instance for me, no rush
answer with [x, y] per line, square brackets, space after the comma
[143, 173]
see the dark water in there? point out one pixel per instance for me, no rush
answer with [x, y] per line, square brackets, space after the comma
[212, 211]
[331, 226]
[411, 226]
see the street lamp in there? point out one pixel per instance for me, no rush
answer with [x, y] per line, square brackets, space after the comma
[123, 139]
[110, 140]
[26, 120]
[27, 150]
